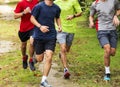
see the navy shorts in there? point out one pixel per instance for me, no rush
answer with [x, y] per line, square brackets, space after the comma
[24, 36]
[42, 45]
[108, 37]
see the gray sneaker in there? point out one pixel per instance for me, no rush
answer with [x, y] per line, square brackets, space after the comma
[45, 84]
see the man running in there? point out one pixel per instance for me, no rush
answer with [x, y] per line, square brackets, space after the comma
[43, 16]
[107, 21]
[23, 11]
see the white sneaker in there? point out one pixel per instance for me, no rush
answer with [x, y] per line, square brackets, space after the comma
[45, 84]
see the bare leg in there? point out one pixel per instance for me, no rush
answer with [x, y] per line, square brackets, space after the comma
[48, 62]
[107, 54]
[23, 48]
[31, 49]
[63, 55]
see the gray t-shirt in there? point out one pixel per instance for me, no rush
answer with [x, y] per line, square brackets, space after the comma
[105, 12]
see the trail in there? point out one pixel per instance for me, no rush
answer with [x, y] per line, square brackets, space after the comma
[55, 77]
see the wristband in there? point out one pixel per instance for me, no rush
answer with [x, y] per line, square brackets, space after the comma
[23, 13]
[74, 16]
[40, 26]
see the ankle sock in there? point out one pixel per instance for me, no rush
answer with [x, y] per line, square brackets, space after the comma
[31, 60]
[25, 58]
[44, 78]
[107, 70]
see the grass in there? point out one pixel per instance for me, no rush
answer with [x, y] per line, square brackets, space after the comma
[85, 60]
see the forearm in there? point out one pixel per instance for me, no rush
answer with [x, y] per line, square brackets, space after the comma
[77, 14]
[58, 22]
[34, 21]
[91, 19]
[18, 15]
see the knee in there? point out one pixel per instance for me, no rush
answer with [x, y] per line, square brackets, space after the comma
[107, 49]
[113, 53]
[23, 46]
[39, 59]
[63, 50]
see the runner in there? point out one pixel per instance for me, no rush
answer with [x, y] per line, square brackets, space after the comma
[23, 11]
[43, 16]
[70, 10]
[106, 28]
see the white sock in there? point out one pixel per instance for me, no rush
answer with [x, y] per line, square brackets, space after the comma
[44, 78]
[65, 69]
[107, 70]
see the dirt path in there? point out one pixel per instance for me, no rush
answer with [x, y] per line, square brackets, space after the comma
[6, 12]
[56, 79]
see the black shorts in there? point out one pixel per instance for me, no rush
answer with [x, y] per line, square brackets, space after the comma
[42, 45]
[24, 36]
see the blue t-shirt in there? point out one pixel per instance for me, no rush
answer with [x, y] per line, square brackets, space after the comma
[45, 15]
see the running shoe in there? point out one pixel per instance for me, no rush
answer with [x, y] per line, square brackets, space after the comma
[45, 84]
[66, 74]
[31, 64]
[25, 64]
[107, 77]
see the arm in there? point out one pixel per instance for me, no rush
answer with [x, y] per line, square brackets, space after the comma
[43, 28]
[76, 9]
[91, 20]
[69, 17]
[58, 22]
[116, 21]
[20, 14]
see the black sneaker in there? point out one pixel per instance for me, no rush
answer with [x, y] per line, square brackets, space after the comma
[32, 67]
[25, 64]
[107, 77]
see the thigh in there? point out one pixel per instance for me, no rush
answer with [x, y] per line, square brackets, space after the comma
[50, 44]
[103, 38]
[24, 36]
[69, 39]
[113, 39]
[61, 37]
[39, 46]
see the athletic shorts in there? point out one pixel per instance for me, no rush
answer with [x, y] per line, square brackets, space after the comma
[24, 36]
[64, 37]
[108, 37]
[42, 45]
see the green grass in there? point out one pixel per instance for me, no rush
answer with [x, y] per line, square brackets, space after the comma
[85, 60]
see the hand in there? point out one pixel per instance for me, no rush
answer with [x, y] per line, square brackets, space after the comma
[59, 29]
[116, 21]
[91, 25]
[44, 29]
[27, 10]
[69, 17]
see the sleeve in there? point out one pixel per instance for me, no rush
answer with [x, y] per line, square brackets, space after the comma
[19, 8]
[92, 9]
[36, 11]
[117, 5]
[58, 12]
[77, 7]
